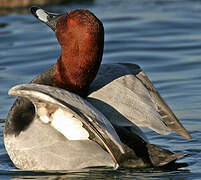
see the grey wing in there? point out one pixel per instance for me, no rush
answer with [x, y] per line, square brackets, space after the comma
[79, 107]
[168, 117]
[124, 98]
[166, 113]
[163, 109]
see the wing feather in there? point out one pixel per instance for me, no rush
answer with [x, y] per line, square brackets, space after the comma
[82, 110]
[163, 109]
[125, 95]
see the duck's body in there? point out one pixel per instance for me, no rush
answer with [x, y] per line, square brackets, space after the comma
[120, 99]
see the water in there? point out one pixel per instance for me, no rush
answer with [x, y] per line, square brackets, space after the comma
[162, 36]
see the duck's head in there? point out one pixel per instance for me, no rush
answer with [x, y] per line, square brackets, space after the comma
[81, 36]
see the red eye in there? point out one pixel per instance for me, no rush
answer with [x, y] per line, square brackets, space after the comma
[71, 22]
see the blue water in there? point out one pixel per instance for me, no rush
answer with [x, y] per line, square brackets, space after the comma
[162, 36]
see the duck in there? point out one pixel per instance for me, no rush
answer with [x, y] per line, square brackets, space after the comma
[81, 113]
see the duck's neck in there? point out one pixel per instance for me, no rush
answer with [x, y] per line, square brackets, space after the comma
[75, 71]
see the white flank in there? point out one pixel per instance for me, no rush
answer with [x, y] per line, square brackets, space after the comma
[42, 15]
[68, 125]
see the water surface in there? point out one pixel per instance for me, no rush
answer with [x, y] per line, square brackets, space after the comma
[162, 36]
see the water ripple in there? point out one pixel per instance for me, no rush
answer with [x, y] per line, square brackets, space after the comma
[163, 37]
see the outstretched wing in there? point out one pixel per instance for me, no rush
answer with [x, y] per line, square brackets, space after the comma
[94, 120]
[126, 98]
[163, 109]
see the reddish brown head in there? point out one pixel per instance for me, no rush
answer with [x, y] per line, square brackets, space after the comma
[81, 36]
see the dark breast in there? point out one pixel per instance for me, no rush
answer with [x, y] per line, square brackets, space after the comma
[23, 112]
